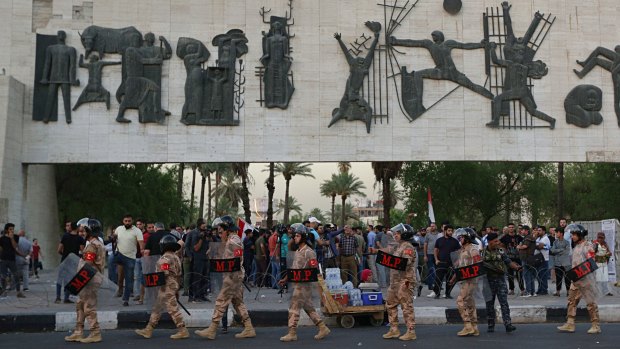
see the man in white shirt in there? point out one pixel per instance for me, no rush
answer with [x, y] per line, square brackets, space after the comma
[543, 244]
[128, 239]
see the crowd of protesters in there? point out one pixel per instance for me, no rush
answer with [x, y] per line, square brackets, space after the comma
[543, 253]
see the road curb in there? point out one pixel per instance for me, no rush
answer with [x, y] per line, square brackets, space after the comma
[111, 320]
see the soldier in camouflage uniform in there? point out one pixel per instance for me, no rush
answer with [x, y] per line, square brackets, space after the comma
[167, 295]
[402, 283]
[86, 306]
[496, 263]
[469, 254]
[305, 258]
[585, 287]
[232, 286]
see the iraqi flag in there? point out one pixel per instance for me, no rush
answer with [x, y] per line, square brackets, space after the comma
[431, 213]
[243, 226]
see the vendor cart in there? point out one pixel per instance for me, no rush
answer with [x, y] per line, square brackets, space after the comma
[345, 315]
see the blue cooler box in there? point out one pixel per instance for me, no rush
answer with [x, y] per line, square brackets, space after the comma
[372, 298]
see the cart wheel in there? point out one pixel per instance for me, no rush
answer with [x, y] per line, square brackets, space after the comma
[347, 321]
[375, 322]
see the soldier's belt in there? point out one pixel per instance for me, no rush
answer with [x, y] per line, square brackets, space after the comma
[154, 279]
[225, 265]
[581, 270]
[470, 271]
[303, 275]
[81, 279]
[391, 261]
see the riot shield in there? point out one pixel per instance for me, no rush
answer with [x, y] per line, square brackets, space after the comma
[67, 269]
[583, 273]
[303, 276]
[152, 280]
[469, 272]
[217, 266]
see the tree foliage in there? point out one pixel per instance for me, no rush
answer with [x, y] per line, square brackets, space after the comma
[108, 191]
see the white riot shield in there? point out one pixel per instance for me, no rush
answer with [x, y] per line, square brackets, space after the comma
[67, 269]
[469, 272]
[303, 278]
[74, 274]
[151, 279]
[583, 273]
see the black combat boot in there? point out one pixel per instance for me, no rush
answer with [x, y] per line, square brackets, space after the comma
[491, 327]
[510, 328]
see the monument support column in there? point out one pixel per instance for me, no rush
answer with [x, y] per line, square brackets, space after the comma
[27, 192]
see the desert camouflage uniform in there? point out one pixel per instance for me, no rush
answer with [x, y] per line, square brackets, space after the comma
[232, 285]
[86, 306]
[585, 287]
[302, 294]
[402, 284]
[170, 264]
[468, 255]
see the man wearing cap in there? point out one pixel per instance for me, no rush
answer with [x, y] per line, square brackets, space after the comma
[496, 263]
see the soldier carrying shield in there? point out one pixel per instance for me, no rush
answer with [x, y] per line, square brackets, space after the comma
[584, 280]
[305, 258]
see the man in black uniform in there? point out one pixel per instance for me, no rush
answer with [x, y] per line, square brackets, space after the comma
[496, 263]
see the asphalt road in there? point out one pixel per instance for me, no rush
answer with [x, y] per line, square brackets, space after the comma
[442, 336]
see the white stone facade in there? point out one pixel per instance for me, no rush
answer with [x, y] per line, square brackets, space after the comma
[453, 130]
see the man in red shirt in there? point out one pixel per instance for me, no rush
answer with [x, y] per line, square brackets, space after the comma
[274, 257]
[36, 256]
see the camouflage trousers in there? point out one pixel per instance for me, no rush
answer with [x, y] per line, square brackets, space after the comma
[86, 308]
[302, 299]
[465, 301]
[166, 299]
[397, 294]
[231, 293]
[498, 289]
[575, 293]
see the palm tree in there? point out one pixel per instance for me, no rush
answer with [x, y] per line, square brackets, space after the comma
[271, 188]
[385, 171]
[396, 193]
[293, 206]
[241, 170]
[191, 203]
[317, 213]
[288, 171]
[328, 188]
[348, 213]
[219, 169]
[181, 168]
[205, 171]
[229, 189]
[344, 166]
[348, 185]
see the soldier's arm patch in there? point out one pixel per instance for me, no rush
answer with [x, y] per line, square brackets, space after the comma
[314, 263]
[591, 254]
[239, 252]
[165, 266]
[408, 252]
[477, 258]
[90, 256]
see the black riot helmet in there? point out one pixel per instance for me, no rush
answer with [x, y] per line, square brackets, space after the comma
[405, 230]
[300, 229]
[468, 234]
[169, 243]
[93, 224]
[576, 229]
[228, 223]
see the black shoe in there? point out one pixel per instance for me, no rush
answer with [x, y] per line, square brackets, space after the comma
[67, 301]
[510, 328]
[437, 296]
[491, 327]
[448, 296]
[57, 301]
[224, 330]
[125, 303]
[420, 291]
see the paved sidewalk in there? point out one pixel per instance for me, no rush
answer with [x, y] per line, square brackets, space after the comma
[38, 312]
